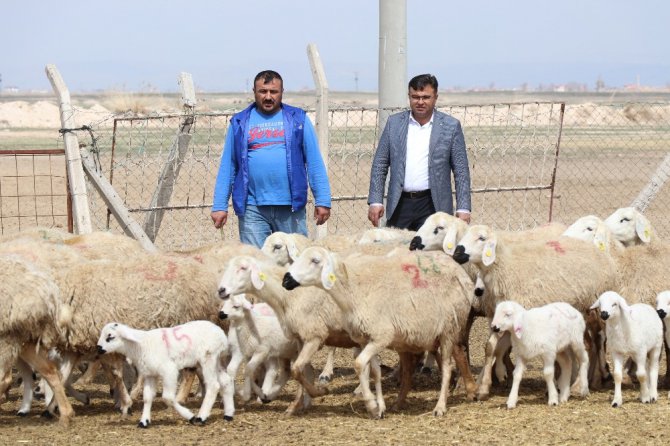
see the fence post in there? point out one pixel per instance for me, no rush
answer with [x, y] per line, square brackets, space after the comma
[321, 124]
[75, 171]
[168, 177]
[655, 184]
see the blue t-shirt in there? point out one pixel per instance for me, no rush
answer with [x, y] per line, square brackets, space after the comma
[268, 171]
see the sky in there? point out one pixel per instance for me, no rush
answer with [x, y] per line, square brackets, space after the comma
[137, 45]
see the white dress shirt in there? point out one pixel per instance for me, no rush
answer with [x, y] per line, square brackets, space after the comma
[416, 164]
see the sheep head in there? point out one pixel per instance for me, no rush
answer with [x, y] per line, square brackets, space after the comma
[431, 234]
[478, 245]
[663, 304]
[591, 229]
[112, 338]
[629, 226]
[242, 274]
[611, 305]
[316, 266]
[507, 317]
[281, 248]
[234, 307]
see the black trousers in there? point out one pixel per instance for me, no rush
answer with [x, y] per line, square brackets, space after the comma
[411, 213]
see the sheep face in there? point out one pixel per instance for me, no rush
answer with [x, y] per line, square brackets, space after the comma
[506, 317]
[112, 338]
[314, 267]
[629, 226]
[663, 304]
[478, 245]
[243, 274]
[590, 229]
[610, 304]
[281, 248]
[231, 309]
[431, 234]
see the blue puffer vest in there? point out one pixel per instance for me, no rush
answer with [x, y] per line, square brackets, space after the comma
[294, 121]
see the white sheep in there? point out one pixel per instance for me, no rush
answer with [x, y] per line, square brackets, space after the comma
[256, 336]
[533, 273]
[406, 302]
[163, 352]
[552, 332]
[663, 310]
[634, 331]
[630, 227]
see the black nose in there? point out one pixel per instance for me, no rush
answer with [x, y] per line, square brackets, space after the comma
[460, 256]
[604, 315]
[101, 350]
[222, 315]
[416, 244]
[661, 313]
[289, 282]
[495, 328]
[479, 292]
[223, 294]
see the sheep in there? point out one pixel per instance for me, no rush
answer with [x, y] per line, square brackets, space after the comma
[309, 317]
[163, 352]
[663, 310]
[630, 227]
[257, 337]
[379, 235]
[635, 331]
[283, 248]
[550, 332]
[33, 323]
[428, 299]
[102, 245]
[533, 273]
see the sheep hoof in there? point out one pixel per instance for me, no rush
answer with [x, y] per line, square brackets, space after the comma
[615, 405]
[46, 414]
[324, 379]
[22, 414]
[196, 421]
[266, 400]
[228, 418]
[143, 424]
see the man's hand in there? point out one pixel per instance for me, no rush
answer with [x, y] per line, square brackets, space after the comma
[465, 216]
[219, 218]
[321, 214]
[375, 213]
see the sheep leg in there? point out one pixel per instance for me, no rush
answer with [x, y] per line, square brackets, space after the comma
[210, 379]
[328, 370]
[170, 379]
[112, 365]
[360, 364]
[38, 360]
[271, 386]
[308, 350]
[227, 390]
[461, 359]
[137, 388]
[446, 349]
[581, 385]
[187, 379]
[297, 404]
[89, 375]
[617, 360]
[652, 366]
[564, 360]
[641, 373]
[148, 394]
[375, 367]
[407, 365]
[26, 374]
[513, 397]
[256, 360]
[492, 348]
[666, 380]
[548, 372]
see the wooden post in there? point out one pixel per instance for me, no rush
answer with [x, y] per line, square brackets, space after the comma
[168, 177]
[321, 124]
[115, 204]
[75, 172]
[655, 184]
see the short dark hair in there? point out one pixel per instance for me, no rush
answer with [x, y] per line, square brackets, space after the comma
[419, 82]
[268, 76]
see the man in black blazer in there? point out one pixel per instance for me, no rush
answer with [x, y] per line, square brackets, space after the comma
[422, 147]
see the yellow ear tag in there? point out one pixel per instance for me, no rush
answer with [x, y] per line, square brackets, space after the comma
[262, 276]
[646, 232]
[450, 245]
[332, 278]
[488, 253]
[601, 246]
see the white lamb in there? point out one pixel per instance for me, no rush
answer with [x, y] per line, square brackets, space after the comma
[663, 310]
[256, 336]
[163, 352]
[552, 332]
[635, 331]
[630, 227]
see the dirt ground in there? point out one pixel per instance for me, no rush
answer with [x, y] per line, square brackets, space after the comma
[340, 418]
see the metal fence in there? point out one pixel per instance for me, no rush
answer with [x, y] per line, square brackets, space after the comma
[530, 163]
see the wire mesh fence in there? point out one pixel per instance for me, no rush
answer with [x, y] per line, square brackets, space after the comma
[530, 163]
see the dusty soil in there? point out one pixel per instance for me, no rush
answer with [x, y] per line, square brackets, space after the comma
[340, 418]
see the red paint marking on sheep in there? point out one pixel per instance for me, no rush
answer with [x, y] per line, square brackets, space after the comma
[178, 337]
[164, 336]
[557, 246]
[417, 281]
[170, 274]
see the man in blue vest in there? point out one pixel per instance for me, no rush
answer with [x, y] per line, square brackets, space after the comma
[270, 156]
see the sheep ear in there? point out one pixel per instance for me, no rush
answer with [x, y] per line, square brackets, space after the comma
[449, 243]
[518, 328]
[624, 305]
[292, 249]
[328, 276]
[602, 238]
[245, 303]
[642, 228]
[257, 277]
[489, 254]
[123, 332]
[595, 305]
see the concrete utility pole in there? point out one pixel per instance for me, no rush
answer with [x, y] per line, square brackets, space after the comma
[392, 56]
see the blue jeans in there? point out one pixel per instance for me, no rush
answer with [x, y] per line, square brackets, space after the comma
[258, 222]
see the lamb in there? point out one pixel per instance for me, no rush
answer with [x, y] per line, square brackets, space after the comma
[256, 336]
[630, 227]
[551, 332]
[163, 352]
[283, 248]
[635, 331]
[428, 300]
[533, 273]
[33, 323]
[663, 310]
[309, 317]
